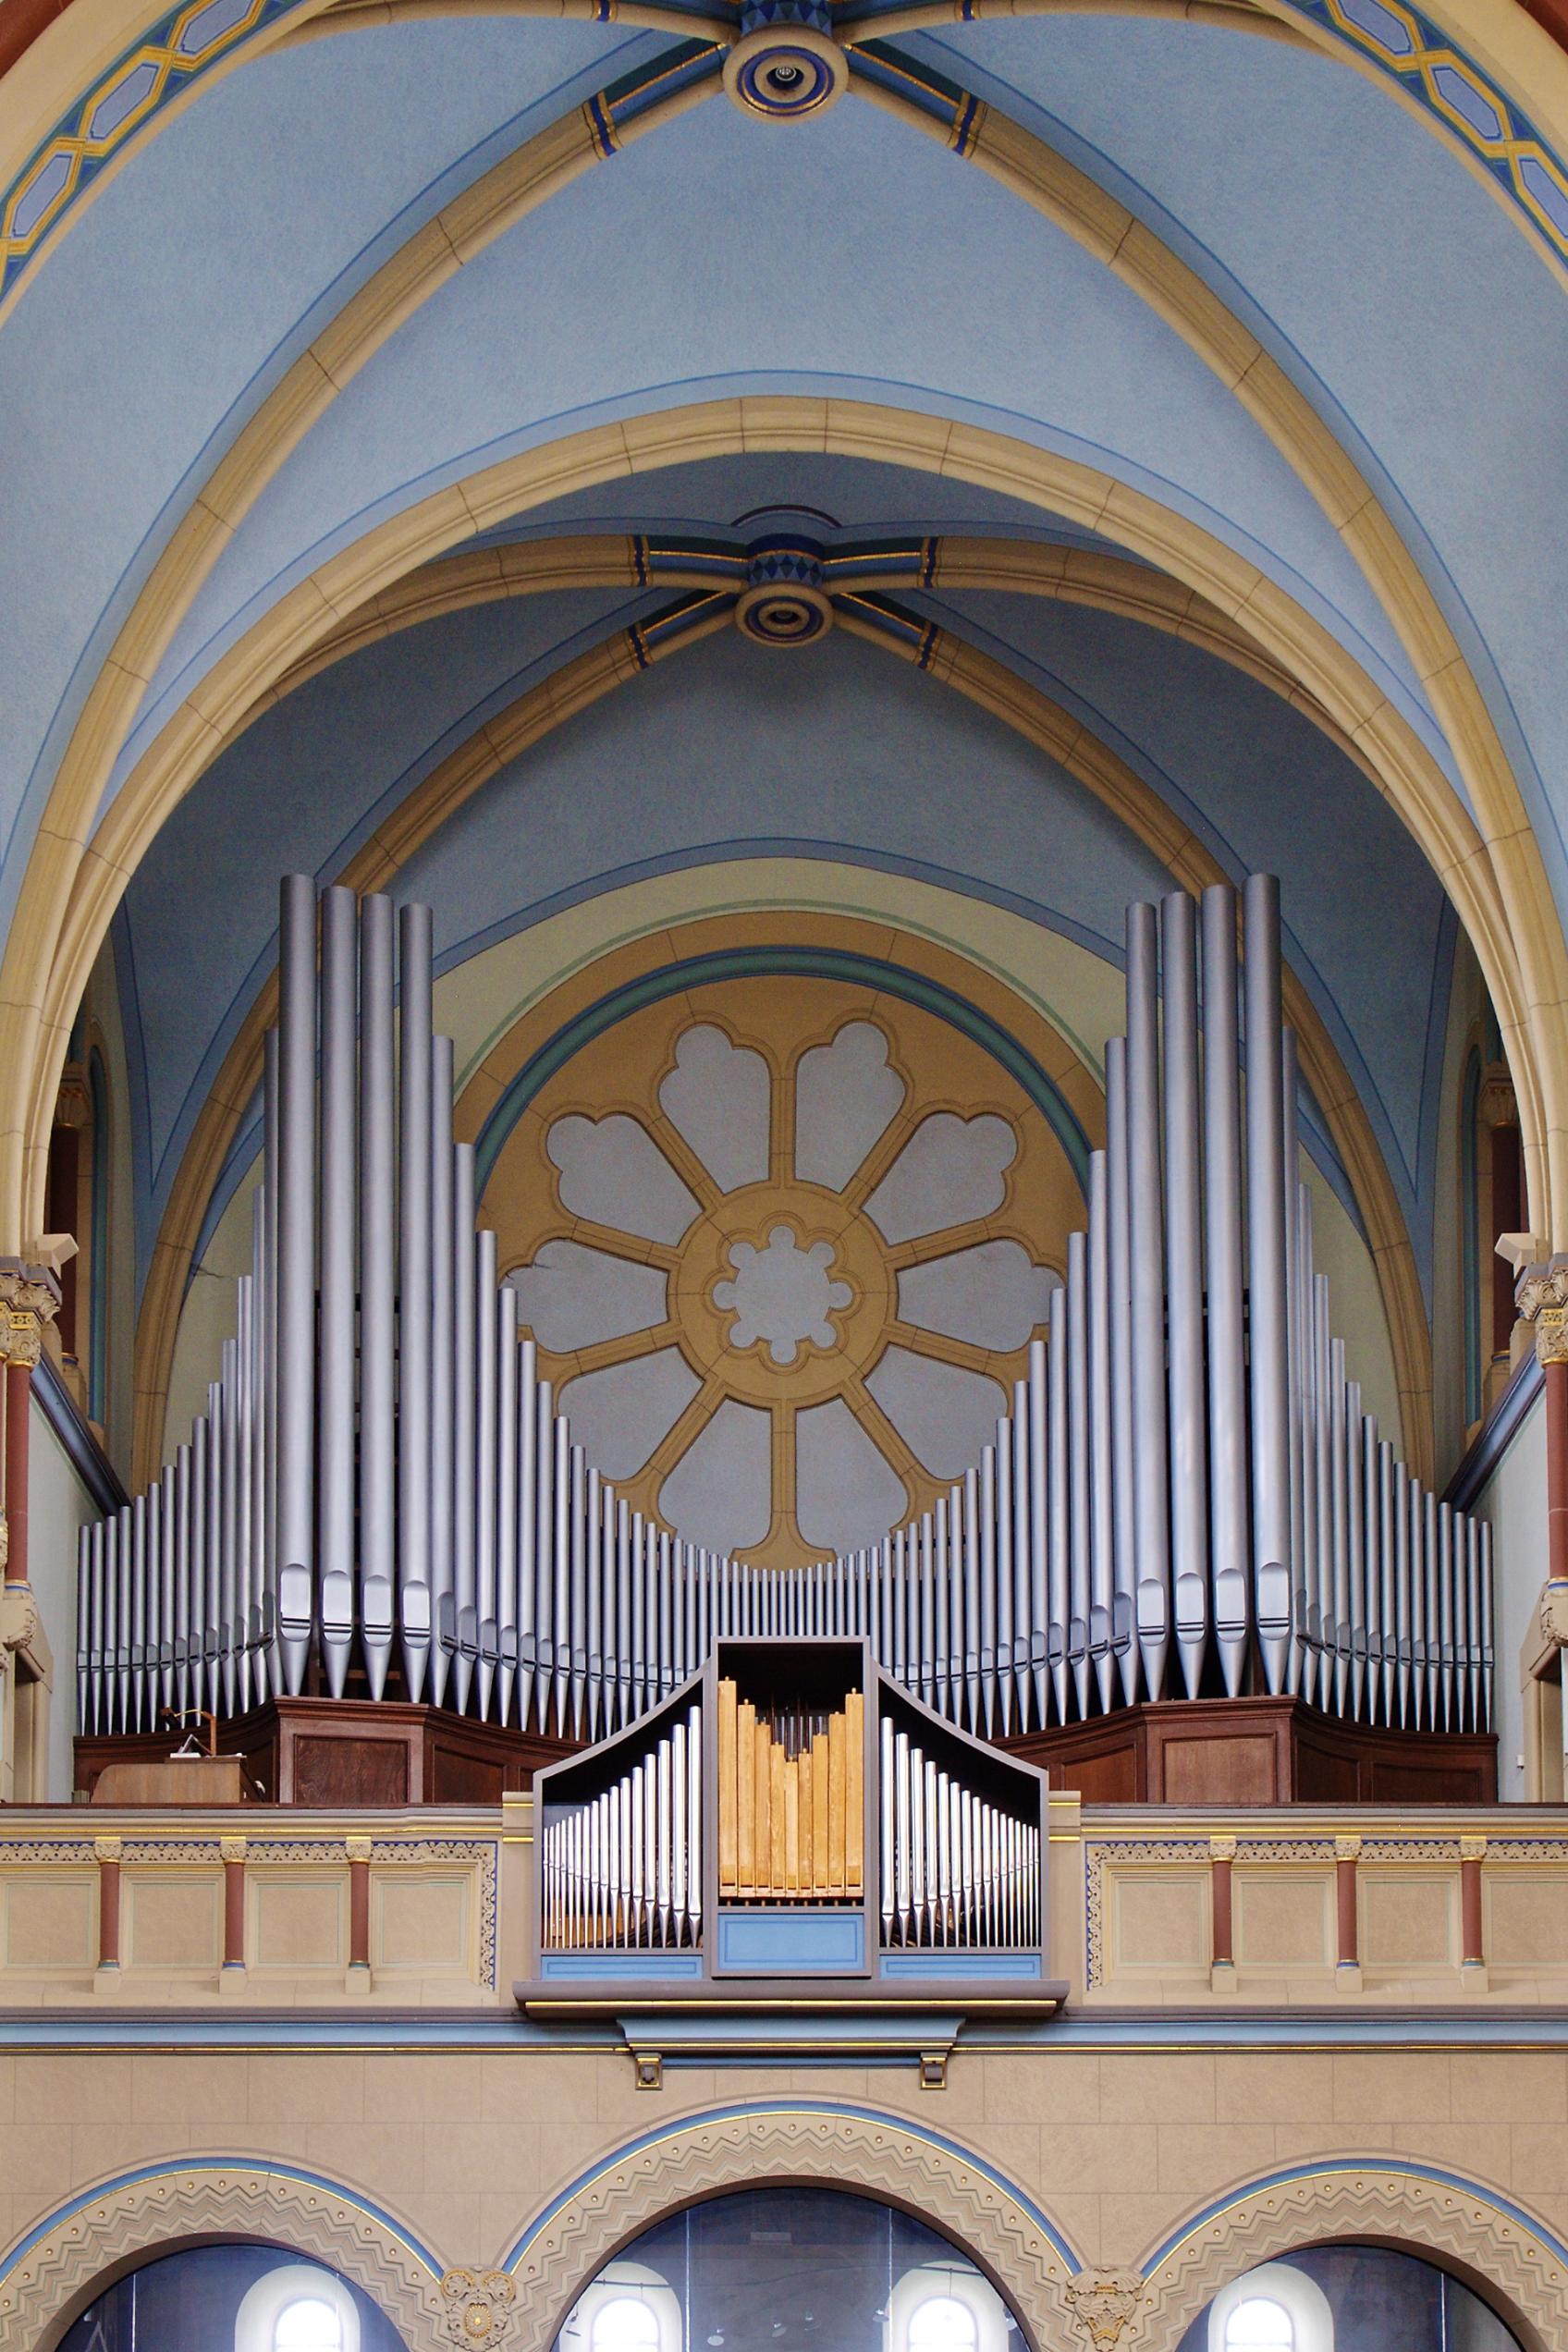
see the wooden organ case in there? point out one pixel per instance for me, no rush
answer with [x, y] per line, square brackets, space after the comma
[790, 1835]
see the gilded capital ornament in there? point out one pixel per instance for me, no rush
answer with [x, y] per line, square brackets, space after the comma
[357, 1848]
[1221, 1849]
[106, 1849]
[479, 2308]
[1347, 1849]
[1472, 1849]
[231, 1849]
[1539, 1287]
[1551, 1334]
[1103, 2302]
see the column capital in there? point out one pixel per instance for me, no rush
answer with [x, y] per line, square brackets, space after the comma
[1347, 1849]
[1473, 1849]
[232, 1849]
[357, 1848]
[106, 1849]
[1222, 1849]
[29, 1297]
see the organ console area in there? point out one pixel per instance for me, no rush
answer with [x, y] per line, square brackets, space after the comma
[789, 1815]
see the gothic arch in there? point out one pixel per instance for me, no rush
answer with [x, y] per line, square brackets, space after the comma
[801, 2143]
[1513, 2260]
[79, 2248]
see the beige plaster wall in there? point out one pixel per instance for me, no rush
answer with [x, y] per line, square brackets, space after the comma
[464, 2148]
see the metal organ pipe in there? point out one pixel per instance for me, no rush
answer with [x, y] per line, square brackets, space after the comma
[1154, 1479]
[297, 1274]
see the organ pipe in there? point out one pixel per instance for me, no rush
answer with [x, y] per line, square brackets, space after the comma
[1186, 1460]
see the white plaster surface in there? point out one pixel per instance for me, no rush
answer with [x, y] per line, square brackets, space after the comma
[719, 1493]
[621, 1414]
[614, 1172]
[990, 1295]
[781, 1294]
[573, 1295]
[718, 1098]
[847, 1495]
[951, 1170]
[845, 1095]
[944, 1413]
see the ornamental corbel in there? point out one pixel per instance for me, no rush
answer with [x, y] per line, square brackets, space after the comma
[1103, 2304]
[1554, 1616]
[19, 1622]
[479, 2308]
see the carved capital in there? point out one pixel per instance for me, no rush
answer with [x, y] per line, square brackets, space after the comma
[106, 1849]
[231, 1849]
[1551, 1334]
[1472, 1849]
[30, 1297]
[1103, 2302]
[357, 1848]
[1347, 1849]
[1554, 1615]
[478, 2307]
[1221, 1849]
[19, 1621]
[1539, 1285]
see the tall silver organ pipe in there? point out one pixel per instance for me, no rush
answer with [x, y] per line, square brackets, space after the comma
[1187, 1476]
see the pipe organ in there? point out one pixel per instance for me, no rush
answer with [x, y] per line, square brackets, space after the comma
[1186, 1494]
[790, 1808]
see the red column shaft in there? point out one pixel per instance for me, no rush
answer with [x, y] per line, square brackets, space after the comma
[359, 1915]
[1556, 1471]
[1470, 1912]
[108, 1912]
[1350, 1932]
[234, 1915]
[1220, 1874]
[19, 1390]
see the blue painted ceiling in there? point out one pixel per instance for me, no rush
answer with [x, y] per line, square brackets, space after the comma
[852, 257]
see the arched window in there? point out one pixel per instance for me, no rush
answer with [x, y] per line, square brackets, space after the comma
[626, 2323]
[1277, 2309]
[1260, 2324]
[297, 2308]
[940, 2307]
[943, 2323]
[629, 2308]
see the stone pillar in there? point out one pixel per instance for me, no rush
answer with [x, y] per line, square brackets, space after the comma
[29, 1297]
[1222, 1969]
[107, 1851]
[1473, 1939]
[233, 1852]
[1541, 1296]
[1347, 1966]
[359, 1913]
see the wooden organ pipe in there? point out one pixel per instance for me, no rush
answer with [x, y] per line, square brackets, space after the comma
[1159, 1486]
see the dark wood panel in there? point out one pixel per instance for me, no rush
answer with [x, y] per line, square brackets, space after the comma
[1259, 1751]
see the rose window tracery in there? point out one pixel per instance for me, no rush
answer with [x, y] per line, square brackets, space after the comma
[783, 1251]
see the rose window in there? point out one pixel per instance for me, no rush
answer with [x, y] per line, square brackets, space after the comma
[785, 1252]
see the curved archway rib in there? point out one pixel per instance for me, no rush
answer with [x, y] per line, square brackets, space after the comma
[1496, 879]
[982, 679]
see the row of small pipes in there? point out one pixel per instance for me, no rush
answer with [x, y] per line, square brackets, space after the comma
[957, 1871]
[624, 1869]
[1186, 1483]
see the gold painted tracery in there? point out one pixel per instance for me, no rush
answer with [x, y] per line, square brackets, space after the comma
[942, 1071]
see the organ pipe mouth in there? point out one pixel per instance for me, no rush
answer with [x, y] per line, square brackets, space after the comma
[1186, 1493]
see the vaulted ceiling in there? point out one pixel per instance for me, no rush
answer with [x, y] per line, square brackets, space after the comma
[1160, 411]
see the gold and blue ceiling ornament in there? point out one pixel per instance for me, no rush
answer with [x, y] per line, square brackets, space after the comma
[783, 592]
[787, 63]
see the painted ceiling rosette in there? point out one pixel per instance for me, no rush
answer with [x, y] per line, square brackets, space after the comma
[789, 1245]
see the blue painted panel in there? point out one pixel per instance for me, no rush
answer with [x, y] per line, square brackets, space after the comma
[619, 1965]
[791, 1943]
[1001, 1966]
